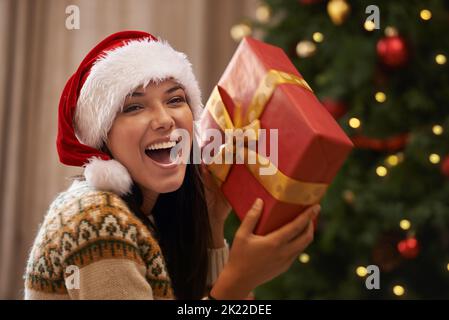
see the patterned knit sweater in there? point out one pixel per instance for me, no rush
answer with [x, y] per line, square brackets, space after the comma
[91, 246]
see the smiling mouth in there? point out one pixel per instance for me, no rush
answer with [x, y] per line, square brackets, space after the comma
[161, 152]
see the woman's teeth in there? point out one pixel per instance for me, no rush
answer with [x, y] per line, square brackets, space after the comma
[161, 152]
[162, 145]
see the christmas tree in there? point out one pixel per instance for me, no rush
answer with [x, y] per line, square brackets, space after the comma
[381, 71]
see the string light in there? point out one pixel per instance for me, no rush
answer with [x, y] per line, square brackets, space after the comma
[392, 160]
[317, 37]
[263, 13]
[369, 25]
[434, 158]
[380, 97]
[440, 58]
[405, 224]
[425, 14]
[361, 271]
[239, 31]
[354, 123]
[398, 290]
[381, 171]
[304, 258]
[437, 130]
[447, 267]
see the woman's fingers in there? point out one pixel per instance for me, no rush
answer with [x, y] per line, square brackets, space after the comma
[217, 203]
[291, 230]
[301, 242]
[252, 217]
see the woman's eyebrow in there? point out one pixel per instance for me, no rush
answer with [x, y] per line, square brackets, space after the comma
[137, 94]
[172, 89]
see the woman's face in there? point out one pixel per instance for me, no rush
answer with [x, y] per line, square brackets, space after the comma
[140, 135]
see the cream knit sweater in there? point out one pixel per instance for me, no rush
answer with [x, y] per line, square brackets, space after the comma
[91, 246]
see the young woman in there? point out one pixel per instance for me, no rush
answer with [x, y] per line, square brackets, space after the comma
[138, 224]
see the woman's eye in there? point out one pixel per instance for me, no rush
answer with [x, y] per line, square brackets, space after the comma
[131, 108]
[177, 100]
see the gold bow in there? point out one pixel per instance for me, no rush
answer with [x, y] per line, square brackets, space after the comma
[279, 185]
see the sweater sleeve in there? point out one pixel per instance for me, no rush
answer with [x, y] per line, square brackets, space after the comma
[110, 279]
[102, 254]
[217, 260]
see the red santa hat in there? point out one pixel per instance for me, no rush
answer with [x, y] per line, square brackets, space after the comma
[96, 92]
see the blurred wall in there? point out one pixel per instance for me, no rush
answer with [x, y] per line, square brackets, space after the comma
[38, 54]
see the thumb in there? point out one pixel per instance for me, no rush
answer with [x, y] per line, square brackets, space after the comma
[252, 217]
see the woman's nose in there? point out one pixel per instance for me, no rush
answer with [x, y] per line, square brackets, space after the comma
[161, 119]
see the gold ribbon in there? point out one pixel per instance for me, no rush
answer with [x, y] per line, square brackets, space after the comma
[279, 185]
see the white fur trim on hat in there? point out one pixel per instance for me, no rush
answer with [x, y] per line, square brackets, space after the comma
[120, 71]
[108, 175]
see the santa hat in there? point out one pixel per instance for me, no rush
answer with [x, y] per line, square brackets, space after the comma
[96, 92]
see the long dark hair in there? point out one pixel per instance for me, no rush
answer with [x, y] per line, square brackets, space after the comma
[182, 230]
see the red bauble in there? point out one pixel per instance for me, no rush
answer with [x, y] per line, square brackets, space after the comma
[385, 254]
[445, 166]
[409, 248]
[393, 51]
[336, 108]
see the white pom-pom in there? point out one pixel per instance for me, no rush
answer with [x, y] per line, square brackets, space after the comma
[108, 175]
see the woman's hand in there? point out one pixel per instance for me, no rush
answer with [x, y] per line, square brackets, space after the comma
[218, 206]
[255, 259]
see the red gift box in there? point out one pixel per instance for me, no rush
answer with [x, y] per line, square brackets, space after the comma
[261, 88]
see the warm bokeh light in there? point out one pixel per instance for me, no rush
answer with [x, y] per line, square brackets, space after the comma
[440, 58]
[304, 258]
[354, 123]
[361, 271]
[318, 37]
[437, 129]
[369, 25]
[393, 160]
[405, 224]
[380, 96]
[398, 290]
[381, 171]
[239, 31]
[434, 158]
[425, 14]
[305, 49]
[263, 13]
